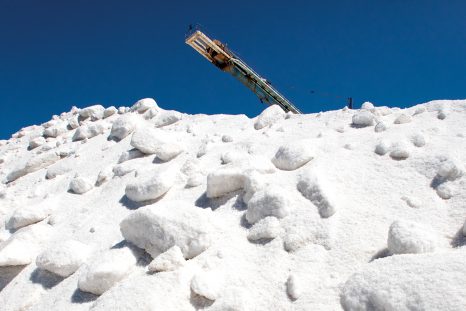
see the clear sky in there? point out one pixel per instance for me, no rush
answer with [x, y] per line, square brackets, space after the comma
[56, 54]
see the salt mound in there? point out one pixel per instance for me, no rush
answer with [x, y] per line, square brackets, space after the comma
[271, 201]
[403, 118]
[158, 228]
[152, 187]
[405, 237]
[450, 170]
[64, 258]
[107, 270]
[421, 282]
[292, 155]
[269, 116]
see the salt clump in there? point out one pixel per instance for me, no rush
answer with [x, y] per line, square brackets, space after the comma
[318, 192]
[88, 131]
[158, 228]
[60, 168]
[130, 155]
[170, 260]
[147, 139]
[152, 187]
[34, 164]
[166, 117]
[23, 246]
[418, 140]
[206, 284]
[123, 126]
[267, 202]
[400, 151]
[450, 170]
[363, 119]
[405, 237]
[223, 181]
[144, 104]
[266, 228]
[95, 112]
[269, 116]
[64, 258]
[421, 282]
[110, 111]
[80, 185]
[383, 147]
[55, 131]
[292, 155]
[293, 287]
[28, 215]
[36, 142]
[380, 127]
[107, 270]
[367, 106]
[403, 118]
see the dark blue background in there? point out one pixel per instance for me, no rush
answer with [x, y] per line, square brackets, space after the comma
[55, 54]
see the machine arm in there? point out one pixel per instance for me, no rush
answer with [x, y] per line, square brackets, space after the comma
[219, 55]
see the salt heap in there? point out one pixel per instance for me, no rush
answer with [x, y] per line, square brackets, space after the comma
[143, 208]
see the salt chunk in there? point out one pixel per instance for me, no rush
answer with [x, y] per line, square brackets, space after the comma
[130, 155]
[269, 116]
[400, 151]
[166, 117]
[158, 228]
[266, 228]
[34, 164]
[293, 287]
[95, 112]
[383, 147]
[104, 175]
[403, 118]
[271, 201]
[80, 185]
[206, 284]
[36, 142]
[451, 169]
[380, 127]
[28, 215]
[363, 119]
[318, 192]
[123, 126]
[170, 260]
[22, 247]
[418, 140]
[406, 237]
[367, 106]
[152, 187]
[63, 258]
[144, 104]
[223, 181]
[292, 155]
[110, 111]
[106, 271]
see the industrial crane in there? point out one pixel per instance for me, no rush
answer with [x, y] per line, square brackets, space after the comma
[224, 59]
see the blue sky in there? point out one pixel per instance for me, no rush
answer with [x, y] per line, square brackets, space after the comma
[56, 54]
